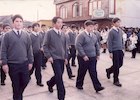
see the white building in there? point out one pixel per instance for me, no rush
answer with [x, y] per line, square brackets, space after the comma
[127, 10]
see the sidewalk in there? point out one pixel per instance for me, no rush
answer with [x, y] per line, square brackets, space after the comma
[129, 78]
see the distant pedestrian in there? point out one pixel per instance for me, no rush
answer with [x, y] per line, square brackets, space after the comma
[134, 40]
[36, 38]
[68, 66]
[6, 28]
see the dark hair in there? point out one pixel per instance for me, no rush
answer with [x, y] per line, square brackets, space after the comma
[54, 20]
[29, 27]
[114, 20]
[43, 25]
[5, 25]
[63, 26]
[73, 26]
[88, 22]
[17, 16]
[94, 22]
[35, 24]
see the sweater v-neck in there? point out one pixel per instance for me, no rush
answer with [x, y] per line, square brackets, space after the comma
[18, 36]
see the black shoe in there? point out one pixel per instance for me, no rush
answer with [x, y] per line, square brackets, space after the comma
[40, 84]
[79, 87]
[43, 68]
[71, 76]
[100, 89]
[49, 88]
[74, 65]
[3, 83]
[107, 74]
[118, 84]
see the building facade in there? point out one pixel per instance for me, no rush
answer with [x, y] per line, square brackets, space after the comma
[48, 23]
[128, 11]
[77, 11]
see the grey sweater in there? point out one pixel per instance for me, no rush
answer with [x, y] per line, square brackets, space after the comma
[55, 46]
[72, 37]
[115, 40]
[16, 49]
[87, 45]
[36, 42]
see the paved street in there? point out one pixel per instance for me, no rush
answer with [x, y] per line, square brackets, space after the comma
[129, 78]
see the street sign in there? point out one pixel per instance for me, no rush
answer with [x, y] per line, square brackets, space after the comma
[99, 13]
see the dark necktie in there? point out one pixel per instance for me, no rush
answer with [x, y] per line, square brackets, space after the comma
[89, 34]
[18, 33]
[59, 33]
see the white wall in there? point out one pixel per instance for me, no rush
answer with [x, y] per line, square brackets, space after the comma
[129, 12]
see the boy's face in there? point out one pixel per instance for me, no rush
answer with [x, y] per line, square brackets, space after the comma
[96, 26]
[89, 28]
[7, 29]
[18, 23]
[37, 28]
[44, 28]
[64, 29]
[117, 24]
[58, 24]
[74, 29]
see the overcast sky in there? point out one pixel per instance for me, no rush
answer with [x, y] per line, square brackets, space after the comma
[31, 10]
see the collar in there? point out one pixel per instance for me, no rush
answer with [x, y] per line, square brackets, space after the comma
[56, 30]
[15, 30]
[87, 32]
[35, 33]
[115, 28]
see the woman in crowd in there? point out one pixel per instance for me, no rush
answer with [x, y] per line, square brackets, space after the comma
[133, 38]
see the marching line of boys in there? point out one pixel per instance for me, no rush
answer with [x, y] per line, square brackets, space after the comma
[22, 53]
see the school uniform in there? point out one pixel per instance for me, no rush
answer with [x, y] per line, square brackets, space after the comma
[115, 46]
[3, 75]
[55, 46]
[36, 39]
[72, 36]
[87, 45]
[44, 59]
[16, 52]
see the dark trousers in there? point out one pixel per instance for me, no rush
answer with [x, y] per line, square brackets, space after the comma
[117, 63]
[44, 60]
[19, 75]
[138, 46]
[72, 54]
[58, 68]
[91, 67]
[69, 71]
[134, 51]
[37, 67]
[3, 76]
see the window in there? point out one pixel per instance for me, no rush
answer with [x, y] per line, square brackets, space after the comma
[90, 7]
[80, 10]
[112, 6]
[99, 5]
[93, 5]
[77, 10]
[63, 12]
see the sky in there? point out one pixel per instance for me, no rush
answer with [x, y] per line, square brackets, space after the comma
[31, 10]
